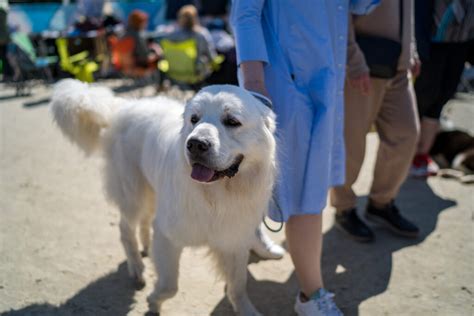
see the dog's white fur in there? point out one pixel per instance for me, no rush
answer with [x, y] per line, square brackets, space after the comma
[148, 168]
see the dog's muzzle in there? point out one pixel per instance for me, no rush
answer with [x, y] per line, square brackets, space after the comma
[203, 173]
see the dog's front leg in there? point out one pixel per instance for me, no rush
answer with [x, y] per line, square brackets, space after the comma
[166, 259]
[234, 268]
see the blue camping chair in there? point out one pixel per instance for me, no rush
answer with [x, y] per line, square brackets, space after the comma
[26, 64]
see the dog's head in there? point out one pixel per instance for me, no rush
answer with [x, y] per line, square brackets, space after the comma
[226, 131]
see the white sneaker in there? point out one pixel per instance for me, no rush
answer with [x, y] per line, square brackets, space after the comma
[320, 304]
[266, 248]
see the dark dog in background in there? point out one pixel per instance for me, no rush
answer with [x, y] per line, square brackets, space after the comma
[453, 151]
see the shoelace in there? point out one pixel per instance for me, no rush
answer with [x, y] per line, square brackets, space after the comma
[326, 303]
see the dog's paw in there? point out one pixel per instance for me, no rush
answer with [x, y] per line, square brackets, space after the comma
[245, 308]
[139, 283]
[153, 305]
[135, 270]
[249, 313]
[159, 295]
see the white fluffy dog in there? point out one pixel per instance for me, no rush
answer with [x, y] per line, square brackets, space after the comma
[205, 169]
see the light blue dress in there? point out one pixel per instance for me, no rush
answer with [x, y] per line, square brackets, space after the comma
[303, 45]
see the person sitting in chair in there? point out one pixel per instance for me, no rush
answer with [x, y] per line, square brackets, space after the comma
[189, 27]
[145, 55]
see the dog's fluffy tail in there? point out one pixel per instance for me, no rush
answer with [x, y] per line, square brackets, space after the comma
[82, 112]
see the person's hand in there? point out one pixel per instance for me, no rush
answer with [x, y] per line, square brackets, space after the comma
[361, 83]
[156, 49]
[416, 68]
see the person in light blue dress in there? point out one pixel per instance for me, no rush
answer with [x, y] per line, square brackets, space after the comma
[294, 52]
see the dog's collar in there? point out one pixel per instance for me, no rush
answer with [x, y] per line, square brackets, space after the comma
[260, 97]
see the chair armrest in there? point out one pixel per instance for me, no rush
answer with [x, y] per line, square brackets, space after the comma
[79, 56]
[163, 65]
[52, 59]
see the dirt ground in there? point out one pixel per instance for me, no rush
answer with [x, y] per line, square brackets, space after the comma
[60, 252]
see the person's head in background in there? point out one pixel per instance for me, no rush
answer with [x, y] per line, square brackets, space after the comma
[188, 17]
[137, 20]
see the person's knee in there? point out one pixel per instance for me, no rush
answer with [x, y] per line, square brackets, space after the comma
[411, 132]
[402, 138]
[411, 135]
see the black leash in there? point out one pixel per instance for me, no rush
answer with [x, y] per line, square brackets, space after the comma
[281, 220]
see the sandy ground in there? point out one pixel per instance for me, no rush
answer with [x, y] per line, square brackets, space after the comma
[60, 252]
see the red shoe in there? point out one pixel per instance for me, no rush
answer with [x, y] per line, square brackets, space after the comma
[423, 166]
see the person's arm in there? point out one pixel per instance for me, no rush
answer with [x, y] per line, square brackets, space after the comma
[415, 63]
[253, 76]
[357, 69]
[246, 22]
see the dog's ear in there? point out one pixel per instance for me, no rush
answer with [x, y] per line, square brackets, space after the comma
[186, 106]
[270, 120]
[264, 106]
[269, 117]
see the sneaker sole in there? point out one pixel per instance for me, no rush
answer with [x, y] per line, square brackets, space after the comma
[377, 220]
[356, 238]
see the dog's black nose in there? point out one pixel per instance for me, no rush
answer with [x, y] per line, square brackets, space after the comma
[197, 147]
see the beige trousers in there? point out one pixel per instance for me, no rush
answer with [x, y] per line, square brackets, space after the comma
[391, 106]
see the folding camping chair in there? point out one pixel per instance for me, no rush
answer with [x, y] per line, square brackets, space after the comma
[79, 65]
[123, 62]
[26, 64]
[180, 63]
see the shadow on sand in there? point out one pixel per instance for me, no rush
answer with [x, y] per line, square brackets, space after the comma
[32, 104]
[366, 273]
[367, 267]
[13, 96]
[114, 290]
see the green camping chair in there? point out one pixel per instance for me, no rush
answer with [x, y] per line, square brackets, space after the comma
[180, 62]
[79, 65]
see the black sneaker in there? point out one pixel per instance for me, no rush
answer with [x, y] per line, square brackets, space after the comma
[390, 217]
[349, 222]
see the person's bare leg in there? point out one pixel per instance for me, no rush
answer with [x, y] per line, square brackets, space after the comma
[304, 237]
[429, 130]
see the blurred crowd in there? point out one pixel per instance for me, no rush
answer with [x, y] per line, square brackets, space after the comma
[100, 41]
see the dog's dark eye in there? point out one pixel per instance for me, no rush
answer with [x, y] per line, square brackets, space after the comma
[231, 122]
[194, 119]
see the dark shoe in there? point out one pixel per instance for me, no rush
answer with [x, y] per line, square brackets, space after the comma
[390, 217]
[349, 222]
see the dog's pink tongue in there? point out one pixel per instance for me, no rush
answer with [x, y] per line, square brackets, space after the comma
[201, 173]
